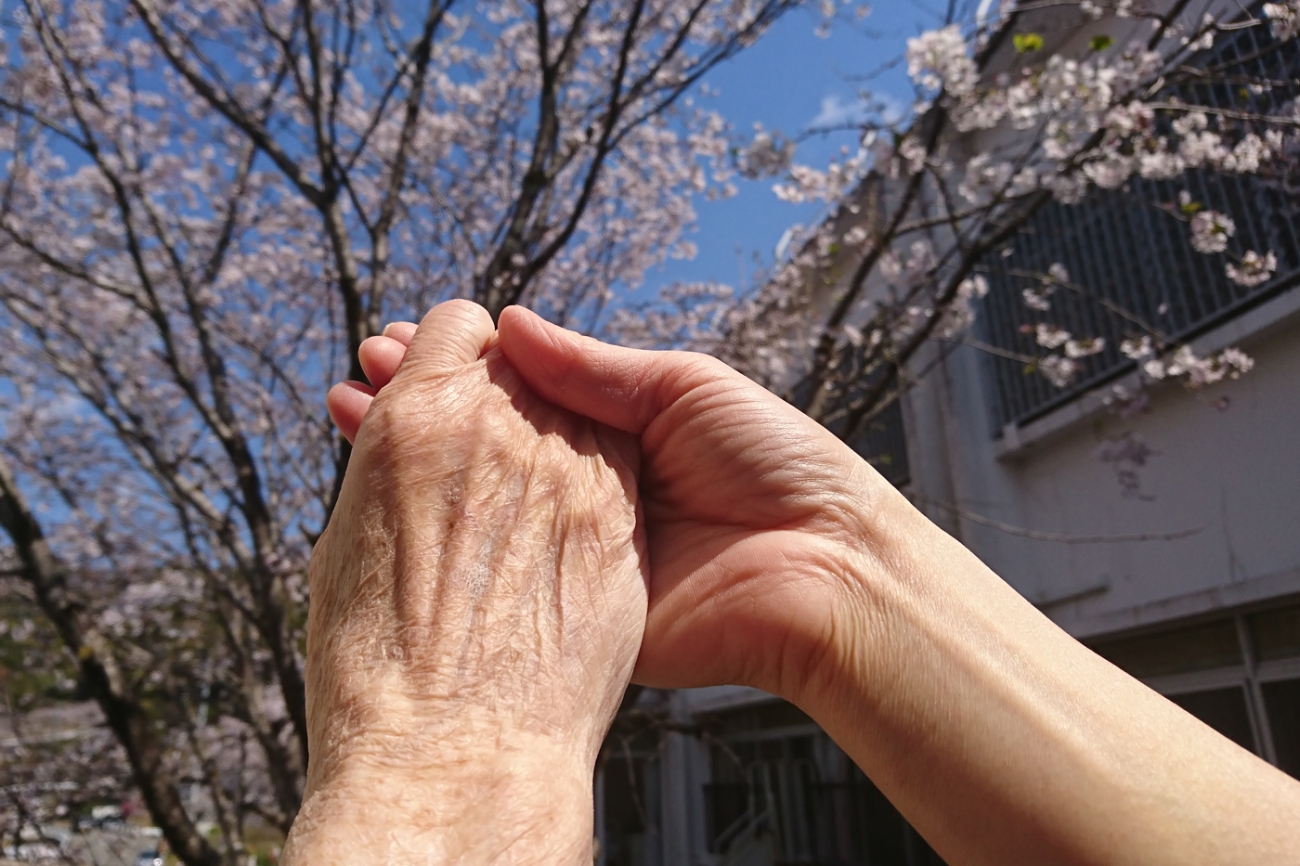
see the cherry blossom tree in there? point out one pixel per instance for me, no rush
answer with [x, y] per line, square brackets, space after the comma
[1033, 108]
[204, 209]
[55, 762]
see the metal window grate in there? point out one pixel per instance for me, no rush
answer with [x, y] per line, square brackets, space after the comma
[883, 443]
[1130, 254]
[854, 823]
[881, 440]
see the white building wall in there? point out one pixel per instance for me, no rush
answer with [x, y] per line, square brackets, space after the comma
[1230, 477]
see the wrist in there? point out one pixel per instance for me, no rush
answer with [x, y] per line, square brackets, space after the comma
[885, 575]
[517, 799]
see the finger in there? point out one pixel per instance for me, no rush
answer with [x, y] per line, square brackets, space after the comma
[450, 335]
[402, 332]
[348, 403]
[623, 388]
[380, 357]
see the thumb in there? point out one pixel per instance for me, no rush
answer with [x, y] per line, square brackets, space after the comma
[622, 388]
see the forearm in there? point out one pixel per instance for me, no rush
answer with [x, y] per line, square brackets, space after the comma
[1002, 739]
[520, 803]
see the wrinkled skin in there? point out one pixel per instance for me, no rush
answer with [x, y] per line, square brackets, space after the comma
[482, 578]
[480, 598]
[749, 505]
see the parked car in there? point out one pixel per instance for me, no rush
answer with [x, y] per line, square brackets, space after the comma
[107, 817]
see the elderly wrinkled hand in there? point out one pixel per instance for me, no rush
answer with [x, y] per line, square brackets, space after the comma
[478, 599]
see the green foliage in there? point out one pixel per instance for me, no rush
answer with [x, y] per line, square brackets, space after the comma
[1027, 42]
[263, 843]
[1101, 42]
[34, 670]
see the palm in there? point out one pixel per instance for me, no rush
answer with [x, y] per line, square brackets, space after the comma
[740, 493]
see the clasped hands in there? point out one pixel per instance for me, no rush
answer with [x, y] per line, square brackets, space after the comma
[530, 519]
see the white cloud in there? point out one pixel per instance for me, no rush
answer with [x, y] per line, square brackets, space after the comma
[837, 111]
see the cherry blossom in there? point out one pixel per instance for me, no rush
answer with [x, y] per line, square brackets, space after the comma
[766, 155]
[1211, 231]
[1014, 115]
[938, 59]
[1284, 19]
[1050, 336]
[1253, 269]
[1085, 347]
[1058, 370]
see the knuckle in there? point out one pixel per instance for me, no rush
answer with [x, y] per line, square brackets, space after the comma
[699, 367]
[463, 305]
[396, 420]
[465, 310]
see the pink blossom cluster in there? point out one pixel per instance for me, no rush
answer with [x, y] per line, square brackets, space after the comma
[1028, 106]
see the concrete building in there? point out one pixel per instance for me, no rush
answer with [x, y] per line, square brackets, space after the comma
[1168, 542]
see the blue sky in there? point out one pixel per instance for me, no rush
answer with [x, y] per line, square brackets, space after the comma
[788, 81]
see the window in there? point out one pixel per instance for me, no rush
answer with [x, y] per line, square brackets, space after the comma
[880, 440]
[631, 799]
[782, 791]
[1276, 638]
[1239, 674]
[1282, 703]
[1139, 259]
[854, 823]
[883, 443]
[1224, 710]
[1195, 648]
[760, 789]
[1276, 633]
